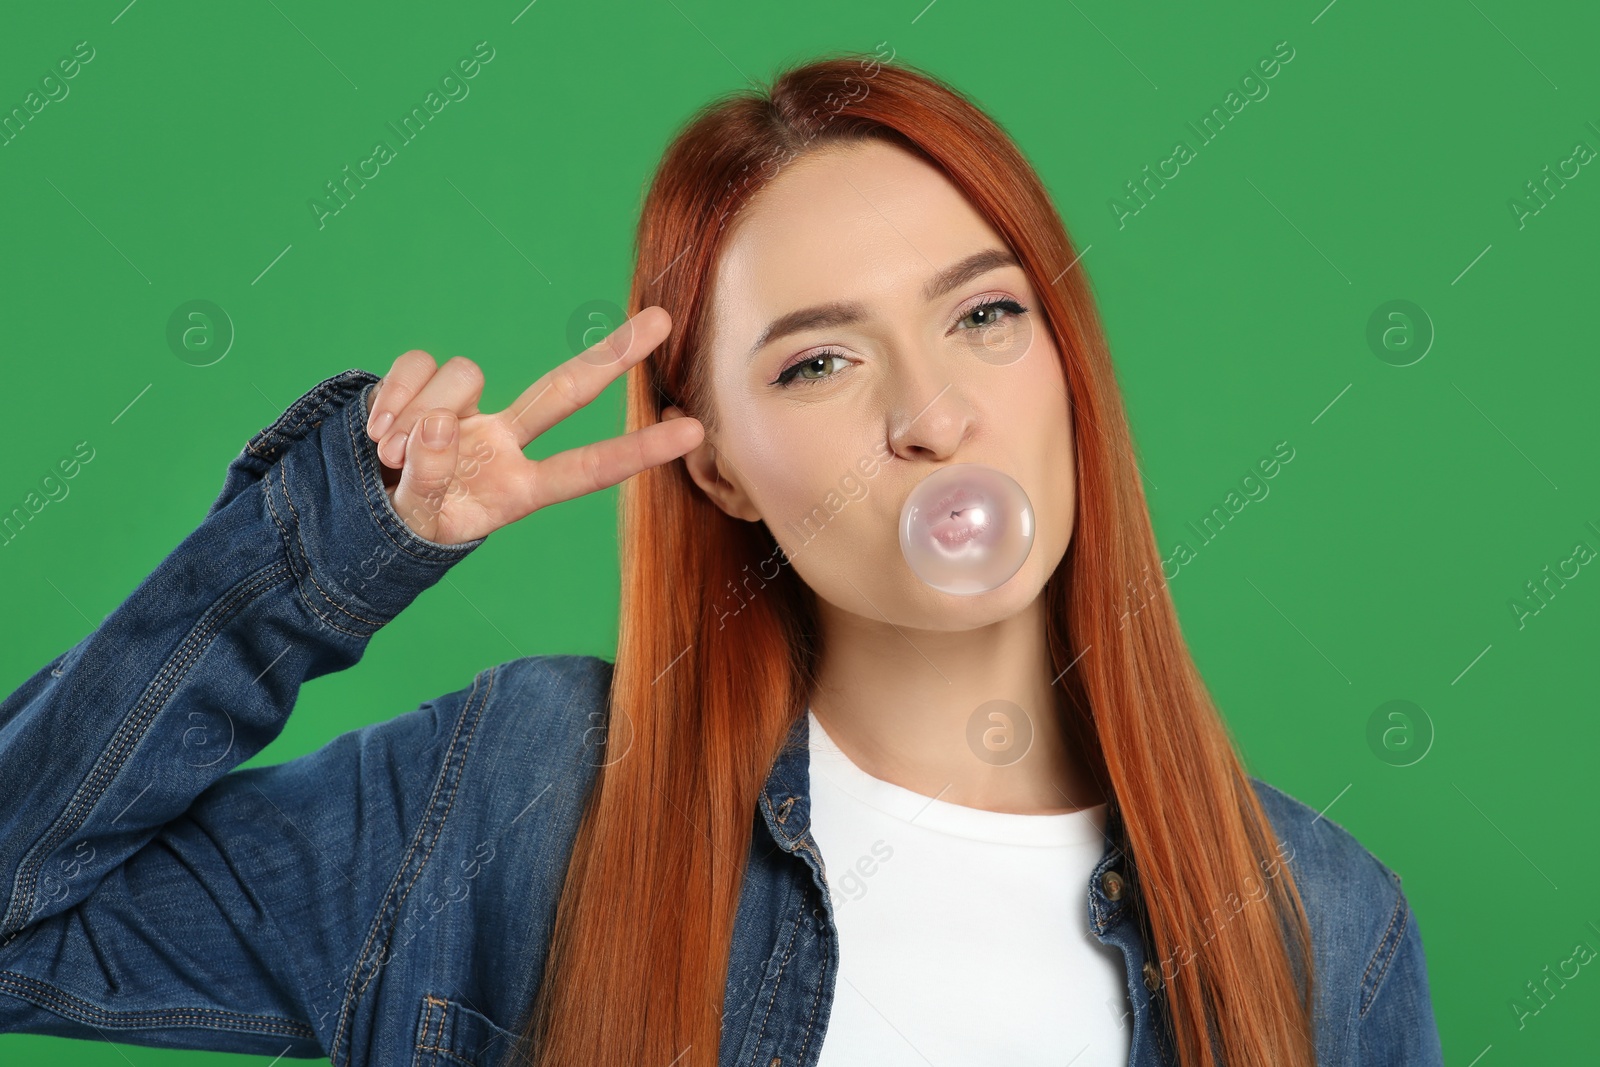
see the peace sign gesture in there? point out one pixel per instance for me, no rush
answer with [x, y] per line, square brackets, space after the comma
[454, 473]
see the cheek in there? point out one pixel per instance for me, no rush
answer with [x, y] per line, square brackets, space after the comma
[786, 472]
[1043, 405]
[1045, 398]
[822, 486]
[791, 455]
[811, 491]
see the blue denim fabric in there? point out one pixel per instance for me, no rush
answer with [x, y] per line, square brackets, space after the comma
[389, 898]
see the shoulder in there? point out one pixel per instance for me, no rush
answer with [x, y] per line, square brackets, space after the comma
[526, 734]
[1359, 916]
[500, 771]
[547, 712]
[529, 729]
[554, 679]
[1325, 848]
[528, 739]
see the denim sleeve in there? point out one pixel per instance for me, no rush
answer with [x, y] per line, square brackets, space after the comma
[1397, 1028]
[149, 892]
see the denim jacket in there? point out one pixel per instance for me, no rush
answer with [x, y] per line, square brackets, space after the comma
[389, 898]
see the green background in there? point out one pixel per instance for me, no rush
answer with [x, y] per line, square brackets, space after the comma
[1382, 566]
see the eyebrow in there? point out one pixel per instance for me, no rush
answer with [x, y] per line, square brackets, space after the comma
[850, 312]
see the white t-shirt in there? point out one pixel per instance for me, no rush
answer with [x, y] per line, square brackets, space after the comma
[963, 934]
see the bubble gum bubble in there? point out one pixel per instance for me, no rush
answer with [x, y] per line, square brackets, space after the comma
[966, 528]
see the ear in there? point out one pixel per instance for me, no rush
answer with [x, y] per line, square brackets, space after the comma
[705, 466]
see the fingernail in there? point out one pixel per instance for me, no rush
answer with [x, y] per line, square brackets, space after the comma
[394, 450]
[436, 430]
[380, 424]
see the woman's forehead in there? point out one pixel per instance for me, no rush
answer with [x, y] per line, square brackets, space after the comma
[864, 223]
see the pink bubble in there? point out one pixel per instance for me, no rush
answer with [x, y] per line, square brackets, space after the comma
[966, 528]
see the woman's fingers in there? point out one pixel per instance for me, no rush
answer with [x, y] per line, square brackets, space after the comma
[570, 385]
[426, 479]
[409, 373]
[590, 468]
[457, 385]
[417, 419]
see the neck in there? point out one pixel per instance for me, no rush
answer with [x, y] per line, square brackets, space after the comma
[970, 717]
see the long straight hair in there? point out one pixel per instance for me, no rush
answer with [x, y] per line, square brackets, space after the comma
[700, 705]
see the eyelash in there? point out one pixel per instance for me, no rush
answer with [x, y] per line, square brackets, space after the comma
[787, 377]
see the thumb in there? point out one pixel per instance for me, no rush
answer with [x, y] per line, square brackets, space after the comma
[429, 471]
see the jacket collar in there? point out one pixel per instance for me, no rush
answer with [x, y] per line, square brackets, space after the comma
[786, 797]
[786, 810]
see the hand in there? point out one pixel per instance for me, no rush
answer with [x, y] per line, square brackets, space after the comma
[454, 473]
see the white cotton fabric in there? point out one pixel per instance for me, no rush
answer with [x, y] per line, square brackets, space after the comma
[963, 934]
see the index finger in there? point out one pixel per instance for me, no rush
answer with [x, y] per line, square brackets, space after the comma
[602, 464]
[572, 384]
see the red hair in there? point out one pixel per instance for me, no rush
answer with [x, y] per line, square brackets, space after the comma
[639, 956]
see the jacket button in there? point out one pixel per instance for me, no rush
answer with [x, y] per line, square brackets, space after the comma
[1152, 977]
[1111, 883]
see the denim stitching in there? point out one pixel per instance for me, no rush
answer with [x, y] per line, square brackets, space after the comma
[436, 1044]
[805, 843]
[378, 920]
[432, 1043]
[65, 1004]
[276, 432]
[783, 834]
[426, 1024]
[455, 785]
[1401, 915]
[323, 394]
[305, 557]
[280, 439]
[132, 730]
[288, 550]
[816, 999]
[777, 982]
[351, 993]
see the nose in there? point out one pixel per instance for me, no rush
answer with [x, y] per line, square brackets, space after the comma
[929, 418]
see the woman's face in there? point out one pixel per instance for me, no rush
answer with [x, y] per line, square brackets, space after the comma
[828, 283]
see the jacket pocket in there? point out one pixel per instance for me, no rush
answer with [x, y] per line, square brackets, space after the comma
[450, 1034]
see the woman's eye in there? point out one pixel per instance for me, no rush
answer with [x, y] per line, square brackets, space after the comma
[814, 370]
[987, 312]
[817, 363]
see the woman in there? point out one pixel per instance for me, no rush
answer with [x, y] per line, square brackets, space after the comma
[695, 855]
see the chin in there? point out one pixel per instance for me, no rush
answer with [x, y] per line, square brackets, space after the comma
[927, 608]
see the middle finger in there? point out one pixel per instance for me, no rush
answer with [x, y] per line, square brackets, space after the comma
[574, 383]
[457, 385]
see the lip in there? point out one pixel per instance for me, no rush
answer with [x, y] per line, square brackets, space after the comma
[960, 517]
[955, 532]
